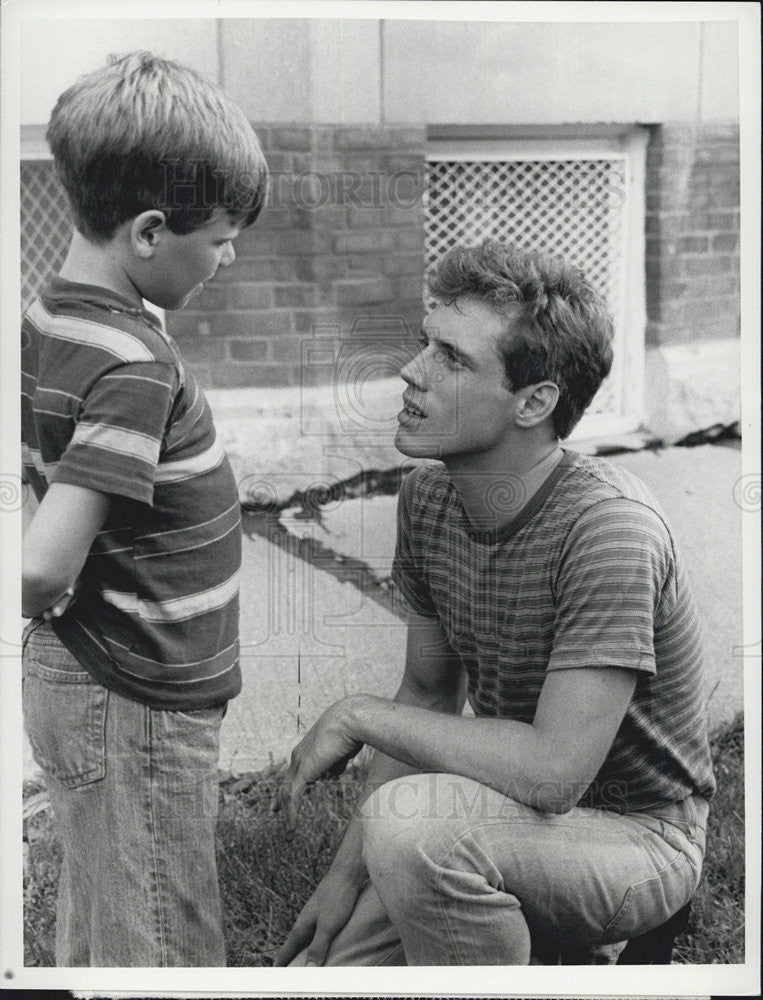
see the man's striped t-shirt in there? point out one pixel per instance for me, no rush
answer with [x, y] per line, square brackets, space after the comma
[586, 575]
[108, 404]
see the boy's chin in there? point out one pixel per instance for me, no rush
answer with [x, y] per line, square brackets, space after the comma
[174, 304]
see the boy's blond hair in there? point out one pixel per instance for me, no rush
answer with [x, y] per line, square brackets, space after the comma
[147, 133]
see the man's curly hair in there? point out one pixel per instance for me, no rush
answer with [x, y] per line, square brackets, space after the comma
[557, 327]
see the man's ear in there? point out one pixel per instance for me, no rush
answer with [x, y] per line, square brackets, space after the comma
[144, 230]
[536, 403]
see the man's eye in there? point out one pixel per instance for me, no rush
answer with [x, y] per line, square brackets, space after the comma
[422, 342]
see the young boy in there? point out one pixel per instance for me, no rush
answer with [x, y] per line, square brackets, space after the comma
[131, 562]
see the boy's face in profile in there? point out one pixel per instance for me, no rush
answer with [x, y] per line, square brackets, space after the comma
[181, 264]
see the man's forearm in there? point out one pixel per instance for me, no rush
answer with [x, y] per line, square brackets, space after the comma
[507, 755]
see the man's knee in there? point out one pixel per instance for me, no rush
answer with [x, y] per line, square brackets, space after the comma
[394, 820]
[416, 817]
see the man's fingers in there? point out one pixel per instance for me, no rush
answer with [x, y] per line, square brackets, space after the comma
[276, 804]
[293, 796]
[319, 947]
[298, 937]
[286, 801]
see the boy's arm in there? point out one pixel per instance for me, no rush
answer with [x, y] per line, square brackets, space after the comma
[57, 542]
[434, 679]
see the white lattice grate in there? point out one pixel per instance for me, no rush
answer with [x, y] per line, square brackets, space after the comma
[572, 207]
[45, 226]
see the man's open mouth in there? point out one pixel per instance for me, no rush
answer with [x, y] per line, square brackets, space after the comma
[412, 409]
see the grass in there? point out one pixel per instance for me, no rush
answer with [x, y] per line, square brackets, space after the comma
[266, 878]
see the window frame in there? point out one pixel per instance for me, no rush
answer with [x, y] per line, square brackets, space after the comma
[627, 144]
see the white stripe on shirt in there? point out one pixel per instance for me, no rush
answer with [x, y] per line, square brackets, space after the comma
[80, 331]
[177, 609]
[205, 461]
[119, 440]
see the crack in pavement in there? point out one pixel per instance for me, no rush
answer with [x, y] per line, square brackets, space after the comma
[345, 569]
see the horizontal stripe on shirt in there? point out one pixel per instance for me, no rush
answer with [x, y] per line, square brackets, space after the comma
[181, 469]
[179, 609]
[118, 440]
[79, 331]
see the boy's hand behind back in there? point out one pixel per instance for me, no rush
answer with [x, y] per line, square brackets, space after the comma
[56, 546]
[63, 603]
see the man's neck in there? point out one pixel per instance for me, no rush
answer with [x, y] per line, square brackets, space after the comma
[98, 264]
[493, 493]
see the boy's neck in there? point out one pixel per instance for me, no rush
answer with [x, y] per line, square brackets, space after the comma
[99, 264]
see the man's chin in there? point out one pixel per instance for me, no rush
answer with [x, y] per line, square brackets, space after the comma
[414, 446]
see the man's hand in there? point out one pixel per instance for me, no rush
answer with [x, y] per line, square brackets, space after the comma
[321, 919]
[327, 748]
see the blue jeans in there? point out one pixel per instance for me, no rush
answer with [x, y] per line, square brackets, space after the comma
[134, 795]
[462, 875]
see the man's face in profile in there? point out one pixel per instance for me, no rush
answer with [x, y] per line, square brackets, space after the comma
[456, 402]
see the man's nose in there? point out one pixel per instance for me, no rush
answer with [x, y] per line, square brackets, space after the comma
[414, 372]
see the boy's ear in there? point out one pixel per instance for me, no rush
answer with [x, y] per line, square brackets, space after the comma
[536, 403]
[144, 230]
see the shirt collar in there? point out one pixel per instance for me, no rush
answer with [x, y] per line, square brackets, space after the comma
[61, 289]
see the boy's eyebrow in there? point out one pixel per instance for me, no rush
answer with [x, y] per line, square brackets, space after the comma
[459, 351]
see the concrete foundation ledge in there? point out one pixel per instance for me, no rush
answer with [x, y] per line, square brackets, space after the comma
[688, 387]
[280, 441]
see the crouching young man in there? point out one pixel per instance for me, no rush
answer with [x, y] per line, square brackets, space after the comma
[546, 588]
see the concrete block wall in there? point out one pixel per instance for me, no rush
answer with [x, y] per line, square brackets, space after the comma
[692, 234]
[338, 256]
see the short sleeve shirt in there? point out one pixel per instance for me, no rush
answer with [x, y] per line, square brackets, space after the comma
[108, 404]
[586, 575]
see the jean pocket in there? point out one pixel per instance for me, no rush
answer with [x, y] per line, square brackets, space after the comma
[650, 902]
[30, 627]
[65, 721]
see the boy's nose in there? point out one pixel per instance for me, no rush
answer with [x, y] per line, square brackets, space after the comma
[229, 255]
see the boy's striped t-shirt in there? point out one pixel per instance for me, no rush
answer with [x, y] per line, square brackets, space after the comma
[586, 575]
[108, 404]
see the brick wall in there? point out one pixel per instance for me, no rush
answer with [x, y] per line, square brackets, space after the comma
[334, 264]
[338, 256]
[692, 234]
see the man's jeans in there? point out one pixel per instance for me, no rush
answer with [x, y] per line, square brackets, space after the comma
[134, 794]
[461, 875]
